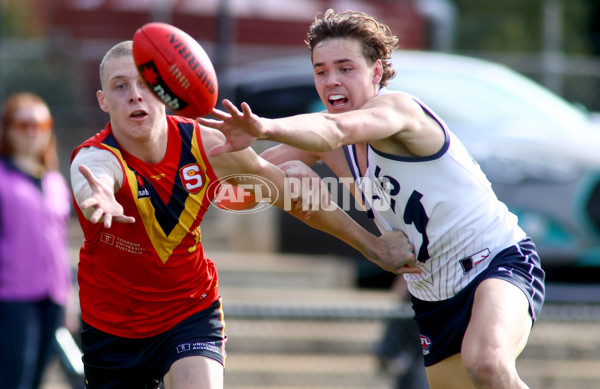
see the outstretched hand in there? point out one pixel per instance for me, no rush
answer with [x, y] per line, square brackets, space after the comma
[401, 255]
[241, 129]
[106, 207]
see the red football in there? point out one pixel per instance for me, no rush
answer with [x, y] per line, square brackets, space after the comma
[176, 68]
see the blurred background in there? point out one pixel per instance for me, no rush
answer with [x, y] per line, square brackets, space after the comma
[517, 80]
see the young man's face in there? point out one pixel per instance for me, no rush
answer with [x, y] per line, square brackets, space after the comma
[134, 111]
[343, 78]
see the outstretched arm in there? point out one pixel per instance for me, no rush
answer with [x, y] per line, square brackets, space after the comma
[391, 252]
[389, 116]
[95, 194]
[101, 201]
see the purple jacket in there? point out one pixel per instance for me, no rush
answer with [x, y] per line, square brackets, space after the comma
[34, 247]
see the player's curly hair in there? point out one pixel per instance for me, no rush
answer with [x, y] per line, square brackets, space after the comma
[376, 38]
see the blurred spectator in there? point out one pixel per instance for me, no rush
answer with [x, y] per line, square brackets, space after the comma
[35, 274]
[399, 352]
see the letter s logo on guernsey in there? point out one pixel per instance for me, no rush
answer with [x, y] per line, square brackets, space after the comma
[192, 178]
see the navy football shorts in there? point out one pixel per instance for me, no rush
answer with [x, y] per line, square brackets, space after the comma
[443, 324]
[115, 362]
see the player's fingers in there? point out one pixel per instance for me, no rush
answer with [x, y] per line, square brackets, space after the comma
[294, 189]
[87, 173]
[96, 215]
[218, 114]
[308, 204]
[219, 149]
[107, 221]
[246, 109]
[124, 219]
[209, 122]
[302, 204]
[231, 108]
[309, 214]
[408, 270]
[325, 197]
[88, 203]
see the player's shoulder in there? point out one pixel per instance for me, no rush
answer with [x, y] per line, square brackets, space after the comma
[393, 93]
[396, 98]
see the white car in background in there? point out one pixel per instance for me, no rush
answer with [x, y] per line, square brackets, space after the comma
[541, 153]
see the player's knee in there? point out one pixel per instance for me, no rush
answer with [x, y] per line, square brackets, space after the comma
[489, 370]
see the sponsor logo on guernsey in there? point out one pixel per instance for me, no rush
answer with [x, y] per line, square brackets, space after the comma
[143, 192]
[109, 239]
[469, 263]
[195, 346]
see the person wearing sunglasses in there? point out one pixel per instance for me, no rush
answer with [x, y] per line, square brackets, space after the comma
[35, 273]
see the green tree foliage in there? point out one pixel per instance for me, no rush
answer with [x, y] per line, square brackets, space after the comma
[517, 25]
[18, 19]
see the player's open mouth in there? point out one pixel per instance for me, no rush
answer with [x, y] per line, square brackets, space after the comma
[138, 114]
[337, 100]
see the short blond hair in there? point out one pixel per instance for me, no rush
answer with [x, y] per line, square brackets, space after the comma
[119, 50]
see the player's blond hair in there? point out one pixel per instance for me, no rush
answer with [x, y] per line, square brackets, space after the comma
[117, 51]
[376, 38]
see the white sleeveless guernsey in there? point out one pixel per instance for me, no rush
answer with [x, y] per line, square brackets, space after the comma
[445, 205]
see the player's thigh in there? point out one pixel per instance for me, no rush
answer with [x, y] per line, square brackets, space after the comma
[449, 374]
[195, 372]
[500, 320]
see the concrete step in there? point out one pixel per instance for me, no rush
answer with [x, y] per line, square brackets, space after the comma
[564, 340]
[302, 336]
[550, 373]
[301, 297]
[310, 371]
[276, 270]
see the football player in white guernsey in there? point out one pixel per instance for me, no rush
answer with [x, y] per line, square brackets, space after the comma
[480, 286]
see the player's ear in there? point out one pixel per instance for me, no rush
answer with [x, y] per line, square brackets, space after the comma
[101, 101]
[377, 72]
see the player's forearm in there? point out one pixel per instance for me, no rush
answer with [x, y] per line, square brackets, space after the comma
[338, 224]
[311, 132]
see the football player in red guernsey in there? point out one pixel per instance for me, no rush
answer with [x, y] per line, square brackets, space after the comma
[149, 295]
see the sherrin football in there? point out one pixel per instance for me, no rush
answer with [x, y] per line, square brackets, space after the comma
[176, 69]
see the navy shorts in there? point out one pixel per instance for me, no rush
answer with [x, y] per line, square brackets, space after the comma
[115, 362]
[442, 324]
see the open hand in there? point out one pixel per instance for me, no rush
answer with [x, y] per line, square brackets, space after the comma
[241, 129]
[106, 208]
